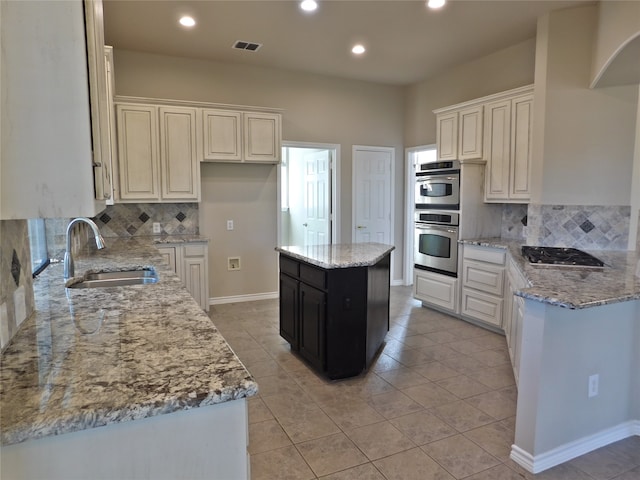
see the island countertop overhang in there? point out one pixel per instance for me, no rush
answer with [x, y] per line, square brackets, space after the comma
[342, 255]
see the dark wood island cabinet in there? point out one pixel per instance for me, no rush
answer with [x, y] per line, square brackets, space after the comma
[334, 304]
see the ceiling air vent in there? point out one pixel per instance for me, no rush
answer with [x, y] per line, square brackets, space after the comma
[242, 45]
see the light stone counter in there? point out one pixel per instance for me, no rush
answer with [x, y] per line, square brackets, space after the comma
[346, 255]
[576, 287]
[102, 356]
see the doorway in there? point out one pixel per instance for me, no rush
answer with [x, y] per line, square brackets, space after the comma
[308, 203]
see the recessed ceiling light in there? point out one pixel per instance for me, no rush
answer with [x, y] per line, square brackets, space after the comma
[358, 49]
[435, 4]
[308, 5]
[187, 21]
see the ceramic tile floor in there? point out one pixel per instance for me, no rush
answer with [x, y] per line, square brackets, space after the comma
[438, 403]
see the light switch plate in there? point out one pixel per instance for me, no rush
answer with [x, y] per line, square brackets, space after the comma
[4, 325]
[20, 306]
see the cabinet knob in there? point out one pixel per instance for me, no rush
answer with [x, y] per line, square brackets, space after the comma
[360, 227]
[305, 224]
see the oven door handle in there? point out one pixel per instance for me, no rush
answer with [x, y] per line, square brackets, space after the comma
[436, 228]
[436, 179]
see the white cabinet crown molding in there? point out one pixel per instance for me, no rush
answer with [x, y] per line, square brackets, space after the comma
[194, 104]
[489, 98]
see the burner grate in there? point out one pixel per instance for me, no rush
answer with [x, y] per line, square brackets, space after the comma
[560, 256]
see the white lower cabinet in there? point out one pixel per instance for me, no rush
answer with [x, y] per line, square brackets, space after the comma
[514, 314]
[190, 261]
[483, 272]
[436, 289]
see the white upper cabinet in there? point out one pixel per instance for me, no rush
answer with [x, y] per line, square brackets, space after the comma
[241, 136]
[47, 109]
[179, 166]
[222, 135]
[470, 137]
[508, 149]
[447, 136]
[262, 137]
[496, 129]
[138, 164]
[157, 158]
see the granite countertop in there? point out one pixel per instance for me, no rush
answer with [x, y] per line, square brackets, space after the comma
[575, 287]
[159, 239]
[92, 357]
[344, 255]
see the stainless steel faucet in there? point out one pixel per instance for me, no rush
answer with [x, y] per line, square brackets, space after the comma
[68, 257]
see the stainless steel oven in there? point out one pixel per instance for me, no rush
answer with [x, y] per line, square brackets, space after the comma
[438, 185]
[436, 241]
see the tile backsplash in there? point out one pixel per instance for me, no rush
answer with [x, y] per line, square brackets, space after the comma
[131, 219]
[590, 227]
[514, 219]
[16, 284]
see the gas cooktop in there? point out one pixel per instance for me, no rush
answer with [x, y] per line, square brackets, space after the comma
[560, 256]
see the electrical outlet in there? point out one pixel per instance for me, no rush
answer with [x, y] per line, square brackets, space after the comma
[525, 231]
[593, 385]
[20, 305]
[157, 228]
[229, 224]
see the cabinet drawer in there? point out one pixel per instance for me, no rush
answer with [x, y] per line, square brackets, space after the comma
[485, 254]
[289, 266]
[196, 250]
[486, 277]
[313, 276]
[482, 306]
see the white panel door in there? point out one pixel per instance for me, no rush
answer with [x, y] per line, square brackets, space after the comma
[316, 200]
[372, 194]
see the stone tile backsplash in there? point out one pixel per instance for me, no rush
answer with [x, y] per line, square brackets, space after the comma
[131, 219]
[16, 292]
[514, 219]
[589, 227]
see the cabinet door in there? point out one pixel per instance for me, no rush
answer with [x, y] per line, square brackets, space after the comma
[447, 136]
[470, 137]
[289, 292]
[262, 138]
[195, 271]
[437, 289]
[169, 257]
[180, 172]
[497, 151]
[312, 325]
[137, 128]
[521, 115]
[222, 135]
[482, 306]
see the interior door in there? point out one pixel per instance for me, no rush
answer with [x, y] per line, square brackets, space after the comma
[372, 188]
[308, 179]
[316, 180]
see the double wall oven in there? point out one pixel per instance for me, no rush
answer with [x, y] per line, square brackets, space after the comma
[437, 200]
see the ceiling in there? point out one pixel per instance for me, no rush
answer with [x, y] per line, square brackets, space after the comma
[406, 42]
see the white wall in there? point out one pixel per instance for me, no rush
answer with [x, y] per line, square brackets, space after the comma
[316, 109]
[583, 138]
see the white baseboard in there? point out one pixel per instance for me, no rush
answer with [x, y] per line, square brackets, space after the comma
[571, 450]
[243, 298]
[396, 283]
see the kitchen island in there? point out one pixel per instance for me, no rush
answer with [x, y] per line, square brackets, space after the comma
[334, 304]
[121, 382]
[579, 354]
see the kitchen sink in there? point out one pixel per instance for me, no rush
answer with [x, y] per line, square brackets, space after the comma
[117, 279]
